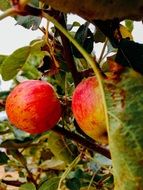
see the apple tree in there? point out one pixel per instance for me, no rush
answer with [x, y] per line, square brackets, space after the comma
[96, 142]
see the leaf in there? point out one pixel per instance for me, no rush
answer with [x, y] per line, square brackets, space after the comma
[125, 32]
[29, 69]
[4, 4]
[124, 100]
[4, 94]
[18, 156]
[59, 148]
[2, 58]
[74, 24]
[35, 2]
[130, 54]
[73, 184]
[129, 24]
[50, 184]
[88, 188]
[27, 186]
[85, 38]
[99, 36]
[23, 58]
[13, 63]
[3, 158]
[28, 22]
[53, 164]
[110, 48]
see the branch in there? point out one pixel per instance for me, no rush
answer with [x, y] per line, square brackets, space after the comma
[68, 52]
[15, 183]
[88, 144]
[102, 10]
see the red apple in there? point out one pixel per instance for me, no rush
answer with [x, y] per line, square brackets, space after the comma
[88, 109]
[33, 106]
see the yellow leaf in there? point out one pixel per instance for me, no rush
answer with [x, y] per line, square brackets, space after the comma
[124, 31]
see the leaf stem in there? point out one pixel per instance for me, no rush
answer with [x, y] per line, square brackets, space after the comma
[70, 167]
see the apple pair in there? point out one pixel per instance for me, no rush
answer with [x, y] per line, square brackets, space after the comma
[34, 107]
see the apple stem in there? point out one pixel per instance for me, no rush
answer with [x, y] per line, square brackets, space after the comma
[83, 141]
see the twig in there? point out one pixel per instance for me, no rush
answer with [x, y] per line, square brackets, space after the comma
[103, 51]
[15, 183]
[88, 144]
[68, 52]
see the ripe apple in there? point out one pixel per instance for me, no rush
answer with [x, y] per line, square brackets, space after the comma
[33, 106]
[88, 110]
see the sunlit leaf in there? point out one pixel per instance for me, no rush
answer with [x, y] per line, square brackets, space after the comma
[4, 4]
[59, 148]
[27, 186]
[13, 63]
[124, 100]
[129, 24]
[18, 156]
[53, 164]
[125, 32]
[51, 184]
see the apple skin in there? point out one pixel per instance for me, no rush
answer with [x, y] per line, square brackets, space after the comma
[33, 106]
[88, 110]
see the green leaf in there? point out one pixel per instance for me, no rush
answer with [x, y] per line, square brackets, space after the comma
[73, 184]
[13, 63]
[4, 94]
[53, 164]
[85, 38]
[59, 148]
[130, 54]
[129, 24]
[99, 36]
[28, 22]
[3, 158]
[36, 46]
[74, 24]
[2, 58]
[18, 156]
[125, 108]
[50, 184]
[35, 2]
[4, 4]
[27, 186]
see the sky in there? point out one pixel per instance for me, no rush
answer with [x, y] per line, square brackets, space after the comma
[13, 36]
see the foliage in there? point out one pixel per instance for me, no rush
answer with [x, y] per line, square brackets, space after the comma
[65, 158]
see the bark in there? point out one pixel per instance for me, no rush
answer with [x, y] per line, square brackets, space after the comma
[100, 9]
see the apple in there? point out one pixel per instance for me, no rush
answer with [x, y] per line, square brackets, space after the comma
[33, 106]
[88, 110]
